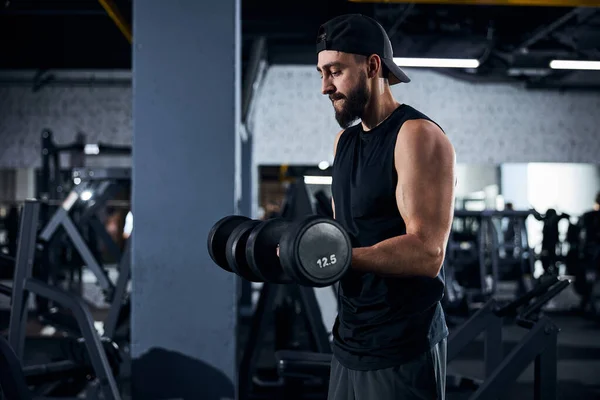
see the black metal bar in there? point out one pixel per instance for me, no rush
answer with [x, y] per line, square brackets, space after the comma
[399, 20]
[493, 345]
[257, 54]
[62, 212]
[492, 213]
[493, 254]
[482, 267]
[245, 301]
[99, 149]
[56, 175]
[47, 377]
[463, 335]
[47, 149]
[118, 300]
[23, 268]
[5, 290]
[260, 320]
[523, 354]
[87, 256]
[543, 299]
[582, 12]
[568, 41]
[53, 225]
[53, 367]
[545, 370]
[511, 308]
[90, 173]
[312, 312]
[91, 338]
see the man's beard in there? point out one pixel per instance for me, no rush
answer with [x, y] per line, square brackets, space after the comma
[354, 104]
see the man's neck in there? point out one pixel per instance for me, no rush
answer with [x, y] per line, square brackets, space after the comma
[596, 207]
[378, 109]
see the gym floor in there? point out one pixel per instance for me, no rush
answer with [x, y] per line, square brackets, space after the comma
[578, 360]
[578, 352]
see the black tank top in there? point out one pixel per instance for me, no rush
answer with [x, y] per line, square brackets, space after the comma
[382, 322]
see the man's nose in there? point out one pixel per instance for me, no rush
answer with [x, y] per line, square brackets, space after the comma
[327, 87]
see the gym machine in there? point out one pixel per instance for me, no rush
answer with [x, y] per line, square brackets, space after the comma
[583, 261]
[94, 188]
[97, 350]
[539, 345]
[264, 321]
[51, 180]
[478, 248]
[53, 183]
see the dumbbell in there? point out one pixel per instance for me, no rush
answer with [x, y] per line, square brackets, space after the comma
[315, 251]
[226, 245]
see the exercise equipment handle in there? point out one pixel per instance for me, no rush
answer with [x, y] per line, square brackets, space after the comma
[523, 319]
[511, 308]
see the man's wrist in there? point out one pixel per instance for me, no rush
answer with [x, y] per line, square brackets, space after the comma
[360, 257]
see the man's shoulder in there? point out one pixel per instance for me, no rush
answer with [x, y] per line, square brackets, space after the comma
[347, 132]
[416, 119]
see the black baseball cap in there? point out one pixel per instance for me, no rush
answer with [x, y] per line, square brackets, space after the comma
[359, 34]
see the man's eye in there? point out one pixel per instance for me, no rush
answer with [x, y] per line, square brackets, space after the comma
[336, 73]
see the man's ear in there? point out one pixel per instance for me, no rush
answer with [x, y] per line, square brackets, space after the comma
[373, 66]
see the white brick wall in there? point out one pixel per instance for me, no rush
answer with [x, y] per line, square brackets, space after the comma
[102, 113]
[293, 123]
[487, 123]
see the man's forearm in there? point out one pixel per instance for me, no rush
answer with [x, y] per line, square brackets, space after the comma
[400, 256]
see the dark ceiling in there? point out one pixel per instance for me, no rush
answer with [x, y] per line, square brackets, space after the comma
[512, 43]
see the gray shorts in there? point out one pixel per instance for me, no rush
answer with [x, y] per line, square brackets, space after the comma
[421, 378]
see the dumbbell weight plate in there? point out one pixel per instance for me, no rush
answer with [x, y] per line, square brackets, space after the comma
[235, 251]
[217, 238]
[261, 250]
[315, 251]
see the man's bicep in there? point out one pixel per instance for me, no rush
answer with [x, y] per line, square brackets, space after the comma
[424, 160]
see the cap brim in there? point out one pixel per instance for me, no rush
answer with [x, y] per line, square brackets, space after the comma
[396, 74]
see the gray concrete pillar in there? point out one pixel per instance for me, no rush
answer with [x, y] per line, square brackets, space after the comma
[186, 113]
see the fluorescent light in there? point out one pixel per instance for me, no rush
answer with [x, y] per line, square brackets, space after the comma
[437, 62]
[91, 149]
[318, 180]
[574, 64]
